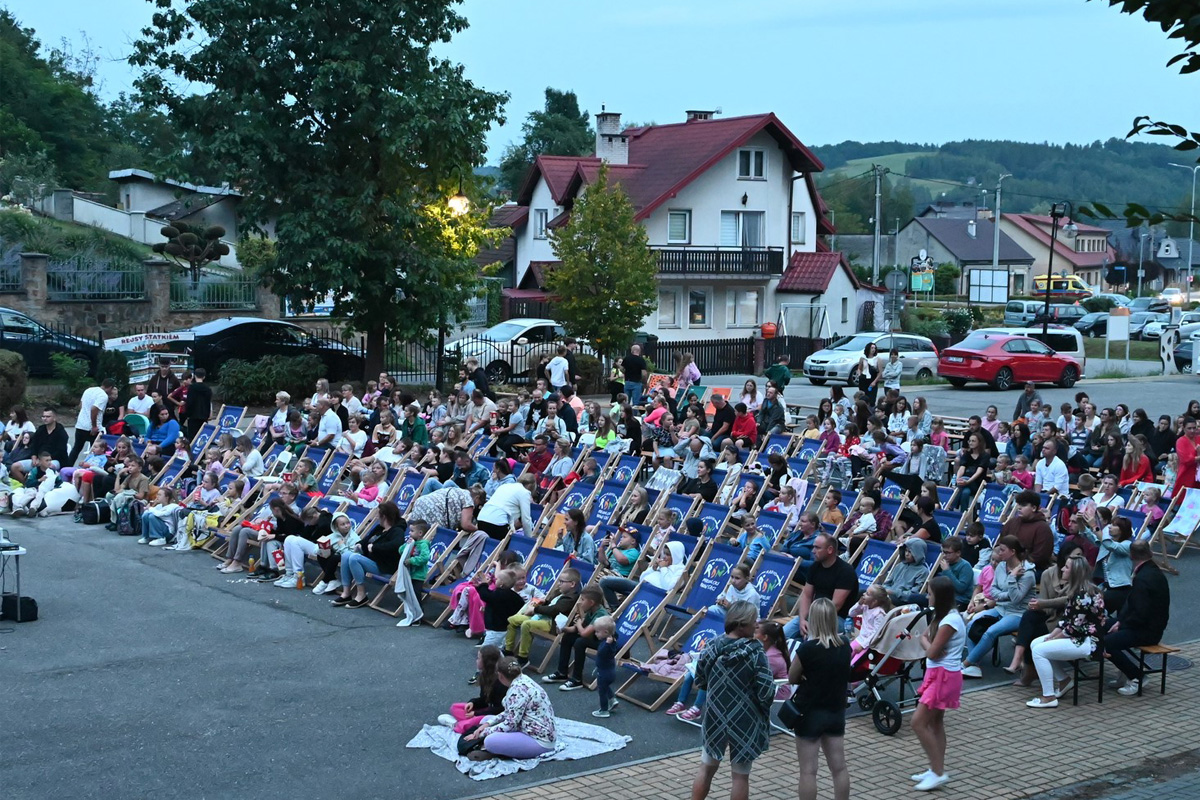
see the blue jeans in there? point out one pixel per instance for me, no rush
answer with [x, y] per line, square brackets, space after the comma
[604, 682]
[431, 485]
[965, 495]
[154, 527]
[685, 689]
[614, 585]
[791, 628]
[717, 611]
[634, 390]
[355, 566]
[1007, 624]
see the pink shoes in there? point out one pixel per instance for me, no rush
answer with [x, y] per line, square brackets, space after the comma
[676, 708]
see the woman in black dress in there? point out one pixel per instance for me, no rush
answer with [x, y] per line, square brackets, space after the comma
[821, 671]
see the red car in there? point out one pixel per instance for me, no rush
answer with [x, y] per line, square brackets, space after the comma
[1005, 360]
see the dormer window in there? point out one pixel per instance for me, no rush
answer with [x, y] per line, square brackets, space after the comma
[752, 164]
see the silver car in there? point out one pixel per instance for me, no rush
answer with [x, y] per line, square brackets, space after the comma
[839, 361]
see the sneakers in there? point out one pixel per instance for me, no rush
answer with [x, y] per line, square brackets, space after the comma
[554, 677]
[447, 720]
[157, 542]
[333, 586]
[143, 540]
[601, 713]
[1130, 689]
[319, 588]
[920, 776]
[676, 708]
[1038, 702]
[570, 686]
[932, 781]
[970, 672]
[233, 568]
[358, 603]
[288, 582]
[474, 679]
[691, 715]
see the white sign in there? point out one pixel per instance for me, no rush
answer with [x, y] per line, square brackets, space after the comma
[1118, 327]
[987, 285]
[141, 341]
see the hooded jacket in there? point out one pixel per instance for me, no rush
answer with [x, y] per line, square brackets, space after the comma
[737, 676]
[906, 578]
[1034, 535]
[342, 543]
[666, 578]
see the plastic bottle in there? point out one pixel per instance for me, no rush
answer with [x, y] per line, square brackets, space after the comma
[252, 562]
[300, 580]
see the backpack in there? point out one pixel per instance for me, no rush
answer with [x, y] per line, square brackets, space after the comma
[95, 513]
[129, 519]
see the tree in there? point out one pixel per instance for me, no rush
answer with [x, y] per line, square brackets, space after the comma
[337, 121]
[560, 129]
[607, 282]
[192, 246]
[27, 177]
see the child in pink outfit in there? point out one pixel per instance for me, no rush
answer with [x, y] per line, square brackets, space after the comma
[873, 606]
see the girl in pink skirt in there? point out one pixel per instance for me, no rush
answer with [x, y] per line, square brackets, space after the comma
[944, 642]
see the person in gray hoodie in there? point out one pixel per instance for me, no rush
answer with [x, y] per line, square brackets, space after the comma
[1007, 599]
[906, 581]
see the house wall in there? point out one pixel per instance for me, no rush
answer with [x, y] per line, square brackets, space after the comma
[148, 195]
[531, 247]
[913, 238]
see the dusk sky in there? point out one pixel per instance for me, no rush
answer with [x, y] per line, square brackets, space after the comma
[918, 70]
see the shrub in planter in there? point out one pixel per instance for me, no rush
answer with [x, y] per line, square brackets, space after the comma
[1098, 304]
[958, 322]
[256, 382]
[929, 328]
[12, 380]
[113, 364]
[74, 377]
[591, 374]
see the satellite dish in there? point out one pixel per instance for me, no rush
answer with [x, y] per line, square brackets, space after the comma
[923, 254]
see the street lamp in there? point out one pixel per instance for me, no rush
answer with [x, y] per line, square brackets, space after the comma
[1141, 251]
[1057, 212]
[459, 204]
[1191, 225]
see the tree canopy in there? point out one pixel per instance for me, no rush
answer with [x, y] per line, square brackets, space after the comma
[607, 282]
[337, 122]
[560, 129]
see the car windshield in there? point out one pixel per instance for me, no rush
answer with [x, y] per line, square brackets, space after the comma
[858, 342]
[504, 332]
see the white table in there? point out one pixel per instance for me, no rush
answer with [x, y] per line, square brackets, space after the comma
[15, 557]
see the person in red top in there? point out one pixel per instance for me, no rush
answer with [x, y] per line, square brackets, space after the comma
[1136, 466]
[1185, 448]
[539, 459]
[745, 428]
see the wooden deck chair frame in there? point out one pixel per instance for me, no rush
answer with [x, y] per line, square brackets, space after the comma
[1181, 541]
[764, 578]
[642, 631]
[380, 601]
[438, 590]
[234, 421]
[555, 638]
[672, 684]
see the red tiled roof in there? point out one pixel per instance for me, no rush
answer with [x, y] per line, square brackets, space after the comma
[538, 270]
[557, 170]
[510, 215]
[559, 221]
[811, 273]
[1032, 224]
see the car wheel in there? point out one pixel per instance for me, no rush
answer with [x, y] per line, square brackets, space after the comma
[817, 381]
[1069, 376]
[1092, 334]
[1186, 368]
[957, 382]
[1003, 379]
[924, 374]
[498, 372]
[852, 380]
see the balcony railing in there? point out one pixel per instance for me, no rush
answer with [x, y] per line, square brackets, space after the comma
[720, 260]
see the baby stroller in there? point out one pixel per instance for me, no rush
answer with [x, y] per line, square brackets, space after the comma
[893, 653]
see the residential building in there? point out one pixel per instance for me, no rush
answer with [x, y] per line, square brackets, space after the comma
[726, 204]
[838, 304]
[966, 243]
[1084, 252]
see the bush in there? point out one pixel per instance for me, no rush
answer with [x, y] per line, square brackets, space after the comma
[958, 321]
[945, 279]
[113, 364]
[257, 382]
[1098, 304]
[12, 380]
[929, 328]
[74, 378]
[591, 374]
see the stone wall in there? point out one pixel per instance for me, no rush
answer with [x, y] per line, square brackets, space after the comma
[113, 318]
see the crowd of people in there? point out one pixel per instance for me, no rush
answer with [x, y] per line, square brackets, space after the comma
[1067, 572]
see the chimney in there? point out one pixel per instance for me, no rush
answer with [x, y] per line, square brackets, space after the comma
[611, 145]
[971, 228]
[699, 116]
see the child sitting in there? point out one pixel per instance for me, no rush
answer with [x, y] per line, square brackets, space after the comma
[545, 615]
[1022, 476]
[906, 579]
[1150, 507]
[786, 503]
[738, 588]
[159, 520]
[752, 540]
[664, 527]
[873, 608]
[775, 644]
[811, 431]
[500, 603]
[606, 665]
[1003, 472]
[975, 540]
[831, 512]
[1170, 473]
[465, 717]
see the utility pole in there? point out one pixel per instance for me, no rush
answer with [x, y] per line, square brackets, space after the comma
[996, 234]
[879, 173]
[1191, 227]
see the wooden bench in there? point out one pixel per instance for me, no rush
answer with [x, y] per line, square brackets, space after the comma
[1154, 650]
[1097, 657]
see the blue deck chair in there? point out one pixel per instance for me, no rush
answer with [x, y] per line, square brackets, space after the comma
[874, 562]
[948, 521]
[230, 417]
[640, 610]
[944, 495]
[808, 448]
[535, 513]
[200, 443]
[330, 505]
[522, 545]
[271, 456]
[891, 490]
[777, 443]
[518, 468]
[991, 531]
[702, 629]
[110, 440]
[627, 468]
[442, 542]
[441, 547]
[331, 472]
[547, 564]
[849, 498]
[680, 506]
[714, 518]
[709, 578]
[577, 496]
[443, 591]
[607, 499]
[772, 524]
[406, 493]
[799, 465]
[170, 471]
[992, 504]
[773, 573]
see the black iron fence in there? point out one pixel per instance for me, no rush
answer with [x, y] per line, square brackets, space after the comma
[713, 356]
[798, 347]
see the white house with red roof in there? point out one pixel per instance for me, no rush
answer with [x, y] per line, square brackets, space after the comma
[1084, 252]
[728, 204]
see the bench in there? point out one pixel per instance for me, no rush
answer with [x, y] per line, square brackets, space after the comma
[1097, 657]
[1162, 650]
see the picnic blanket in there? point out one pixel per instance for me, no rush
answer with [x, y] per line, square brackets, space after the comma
[576, 740]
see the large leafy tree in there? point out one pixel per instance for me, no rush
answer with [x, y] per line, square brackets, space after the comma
[607, 282]
[559, 129]
[337, 122]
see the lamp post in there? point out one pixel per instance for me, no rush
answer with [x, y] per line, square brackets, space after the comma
[1191, 226]
[1141, 251]
[996, 233]
[1057, 212]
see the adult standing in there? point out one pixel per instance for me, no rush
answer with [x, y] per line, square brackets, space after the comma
[868, 372]
[941, 688]
[635, 374]
[821, 671]
[50, 437]
[199, 404]
[1143, 618]
[1185, 448]
[558, 370]
[90, 422]
[511, 502]
[163, 382]
[829, 577]
[1025, 401]
[733, 669]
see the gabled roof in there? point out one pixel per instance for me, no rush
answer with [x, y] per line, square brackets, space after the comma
[811, 273]
[124, 175]
[1039, 228]
[185, 206]
[953, 234]
[509, 215]
[557, 170]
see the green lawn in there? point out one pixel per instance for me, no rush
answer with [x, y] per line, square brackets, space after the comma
[1138, 351]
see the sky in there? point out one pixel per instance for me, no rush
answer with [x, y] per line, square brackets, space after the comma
[927, 71]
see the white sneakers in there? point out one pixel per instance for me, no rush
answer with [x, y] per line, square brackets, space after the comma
[332, 586]
[288, 581]
[932, 781]
[157, 542]
[972, 672]
[1130, 689]
[447, 720]
[319, 588]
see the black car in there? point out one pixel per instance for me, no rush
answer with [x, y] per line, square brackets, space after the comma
[1093, 325]
[36, 343]
[1183, 356]
[1156, 304]
[250, 338]
[1061, 314]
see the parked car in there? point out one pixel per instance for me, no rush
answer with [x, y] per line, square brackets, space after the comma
[1062, 339]
[1061, 314]
[1147, 304]
[1183, 355]
[1004, 361]
[511, 348]
[1154, 329]
[1022, 312]
[250, 338]
[1172, 295]
[1093, 324]
[36, 343]
[1119, 299]
[1140, 319]
[839, 361]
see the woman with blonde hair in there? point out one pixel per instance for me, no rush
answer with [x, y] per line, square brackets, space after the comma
[1077, 636]
[821, 671]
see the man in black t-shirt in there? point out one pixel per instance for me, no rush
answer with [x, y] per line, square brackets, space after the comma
[199, 405]
[722, 421]
[829, 577]
[635, 374]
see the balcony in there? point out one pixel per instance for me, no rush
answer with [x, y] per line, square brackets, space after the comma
[731, 261]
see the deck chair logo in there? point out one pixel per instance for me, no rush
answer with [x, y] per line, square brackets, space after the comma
[774, 447]
[700, 640]
[711, 525]
[228, 421]
[992, 506]
[891, 491]
[845, 509]
[946, 531]
[543, 576]
[676, 517]
[636, 614]
[768, 582]
[573, 500]
[870, 566]
[436, 550]
[623, 474]
[608, 501]
[405, 495]
[716, 568]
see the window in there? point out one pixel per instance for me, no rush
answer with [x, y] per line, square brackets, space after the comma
[698, 308]
[1018, 283]
[668, 309]
[1015, 346]
[742, 307]
[679, 227]
[798, 227]
[1037, 348]
[752, 164]
[743, 228]
[845, 309]
[541, 217]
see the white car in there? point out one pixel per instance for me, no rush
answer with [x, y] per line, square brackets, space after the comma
[839, 361]
[1153, 330]
[1172, 295]
[511, 348]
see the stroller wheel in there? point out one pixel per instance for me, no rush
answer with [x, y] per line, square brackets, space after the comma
[886, 717]
[866, 701]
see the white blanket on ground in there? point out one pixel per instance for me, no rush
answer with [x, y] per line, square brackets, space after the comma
[576, 740]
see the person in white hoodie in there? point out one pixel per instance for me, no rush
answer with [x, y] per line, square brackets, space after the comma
[667, 568]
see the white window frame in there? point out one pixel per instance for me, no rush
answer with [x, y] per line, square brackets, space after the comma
[799, 227]
[731, 307]
[674, 293]
[708, 306]
[541, 221]
[687, 215]
[750, 176]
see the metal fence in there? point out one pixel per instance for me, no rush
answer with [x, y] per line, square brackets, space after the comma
[10, 270]
[797, 347]
[713, 357]
[214, 293]
[93, 278]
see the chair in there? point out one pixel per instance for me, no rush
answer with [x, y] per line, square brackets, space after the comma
[443, 591]
[708, 579]
[406, 491]
[1154, 650]
[777, 444]
[714, 517]
[993, 505]
[229, 418]
[773, 524]
[680, 507]
[875, 559]
[138, 423]
[524, 546]
[634, 618]
[773, 572]
[441, 547]
[950, 522]
[626, 468]
[199, 444]
[607, 499]
[331, 472]
[691, 639]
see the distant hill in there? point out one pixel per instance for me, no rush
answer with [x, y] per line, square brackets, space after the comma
[1115, 172]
